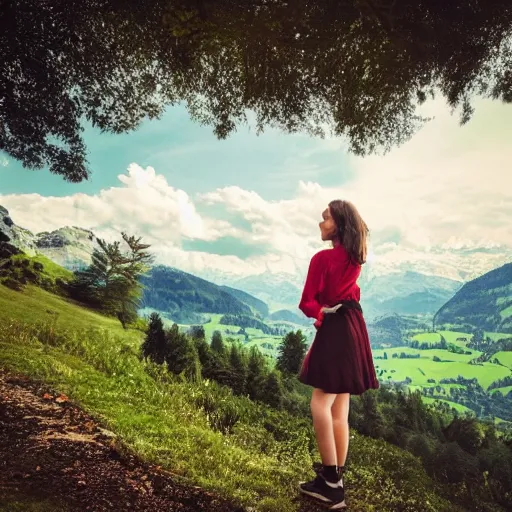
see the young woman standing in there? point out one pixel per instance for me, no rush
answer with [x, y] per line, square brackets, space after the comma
[339, 362]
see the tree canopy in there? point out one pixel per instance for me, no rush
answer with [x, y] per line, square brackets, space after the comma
[358, 68]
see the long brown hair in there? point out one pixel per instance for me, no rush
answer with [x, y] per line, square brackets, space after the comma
[352, 231]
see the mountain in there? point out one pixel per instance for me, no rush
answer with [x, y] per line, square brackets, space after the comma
[21, 238]
[405, 293]
[69, 247]
[285, 315]
[392, 330]
[483, 303]
[256, 304]
[279, 291]
[186, 298]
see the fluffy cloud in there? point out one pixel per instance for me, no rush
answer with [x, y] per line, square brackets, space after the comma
[145, 204]
[439, 204]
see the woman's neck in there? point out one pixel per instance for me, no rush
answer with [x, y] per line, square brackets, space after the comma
[335, 242]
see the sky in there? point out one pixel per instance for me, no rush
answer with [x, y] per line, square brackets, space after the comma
[440, 204]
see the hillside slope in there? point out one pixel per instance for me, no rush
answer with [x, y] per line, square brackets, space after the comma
[183, 297]
[258, 305]
[405, 293]
[484, 303]
[165, 420]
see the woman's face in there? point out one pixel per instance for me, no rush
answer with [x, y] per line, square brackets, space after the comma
[327, 226]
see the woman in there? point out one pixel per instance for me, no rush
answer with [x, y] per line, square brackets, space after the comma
[339, 362]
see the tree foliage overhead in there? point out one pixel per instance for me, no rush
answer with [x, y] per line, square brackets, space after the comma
[358, 67]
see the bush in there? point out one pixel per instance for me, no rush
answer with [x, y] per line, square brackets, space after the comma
[12, 283]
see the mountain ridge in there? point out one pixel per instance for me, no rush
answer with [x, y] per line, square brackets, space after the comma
[482, 303]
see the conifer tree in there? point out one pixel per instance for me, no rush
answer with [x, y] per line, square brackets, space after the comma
[111, 282]
[256, 374]
[218, 343]
[273, 390]
[292, 352]
[238, 370]
[155, 343]
[181, 357]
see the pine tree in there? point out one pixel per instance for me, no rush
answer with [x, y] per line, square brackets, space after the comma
[256, 374]
[292, 352]
[196, 332]
[273, 390]
[111, 282]
[181, 356]
[155, 344]
[218, 343]
[238, 370]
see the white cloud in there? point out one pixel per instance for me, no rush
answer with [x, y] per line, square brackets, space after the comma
[449, 183]
[3, 161]
[439, 204]
[145, 204]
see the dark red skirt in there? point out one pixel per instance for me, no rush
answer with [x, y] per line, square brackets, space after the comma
[340, 357]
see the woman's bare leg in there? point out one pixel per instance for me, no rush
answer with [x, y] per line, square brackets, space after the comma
[321, 409]
[339, 411]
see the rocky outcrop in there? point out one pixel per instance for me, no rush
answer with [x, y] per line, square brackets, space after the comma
[70, 247]
[21, 238]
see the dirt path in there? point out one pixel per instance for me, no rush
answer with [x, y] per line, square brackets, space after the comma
[50, 449]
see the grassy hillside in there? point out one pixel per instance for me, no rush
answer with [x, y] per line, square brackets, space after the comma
[164, 419]
[35, 305]
[484, 303]
[393, 330]
[257, 306]
[184, 296]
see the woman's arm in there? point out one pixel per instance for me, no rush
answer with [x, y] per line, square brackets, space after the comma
[309, 304]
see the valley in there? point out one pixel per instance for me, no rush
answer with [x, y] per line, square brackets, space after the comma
[428, 333]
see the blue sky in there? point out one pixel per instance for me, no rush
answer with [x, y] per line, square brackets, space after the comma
[193, 159]
[439, 204]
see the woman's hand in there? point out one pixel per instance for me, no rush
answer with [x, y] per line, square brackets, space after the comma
[331, 310]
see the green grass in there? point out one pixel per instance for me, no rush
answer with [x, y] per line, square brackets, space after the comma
[429, 337]
[495, 336]
[504, 390]
[505, 313]
[159, 417]
[504, 358]
[458, 407]
[36, 305]
[24, 504]
[451, 337]
[412, 368]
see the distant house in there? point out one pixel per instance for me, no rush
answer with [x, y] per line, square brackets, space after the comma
[462, 339]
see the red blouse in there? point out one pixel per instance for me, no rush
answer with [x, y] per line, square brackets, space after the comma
[331, 278]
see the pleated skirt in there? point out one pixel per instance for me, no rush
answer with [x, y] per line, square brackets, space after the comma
[340, 358]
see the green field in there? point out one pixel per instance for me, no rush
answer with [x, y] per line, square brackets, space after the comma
[459, 408]
[504, 358]
[424, 368]
[504, 390]
[495, 336]
[429, 337]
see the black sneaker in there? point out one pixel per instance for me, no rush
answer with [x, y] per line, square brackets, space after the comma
[329, 494]
[318, 467]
